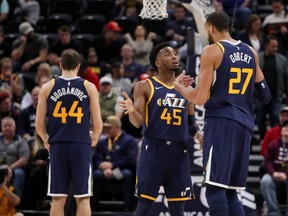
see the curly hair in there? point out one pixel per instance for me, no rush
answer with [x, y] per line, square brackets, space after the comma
[154, 53]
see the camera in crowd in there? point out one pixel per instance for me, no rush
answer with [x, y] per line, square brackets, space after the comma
[3, 172]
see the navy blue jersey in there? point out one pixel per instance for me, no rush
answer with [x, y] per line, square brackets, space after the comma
[68, 111]
[166, 113]
[231, 95]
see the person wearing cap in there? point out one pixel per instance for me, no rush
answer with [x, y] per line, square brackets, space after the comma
[29, 50]
[115, 161]
[274, 132]
[274, 182]
[109, 43]
[108, 99]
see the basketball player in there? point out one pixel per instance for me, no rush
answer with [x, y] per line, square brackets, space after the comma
[229, 74]
[163, 114]
[68, 101]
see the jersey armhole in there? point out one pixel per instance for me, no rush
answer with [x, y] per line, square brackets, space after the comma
[221, 46]
[151, 92]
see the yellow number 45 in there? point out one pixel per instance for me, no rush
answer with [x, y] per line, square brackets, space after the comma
[60, 112]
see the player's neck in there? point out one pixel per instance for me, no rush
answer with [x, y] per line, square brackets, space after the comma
[224, 36]
[69, 74]
[167, 78]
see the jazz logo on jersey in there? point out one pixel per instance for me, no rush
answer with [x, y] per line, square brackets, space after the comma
[171, 100]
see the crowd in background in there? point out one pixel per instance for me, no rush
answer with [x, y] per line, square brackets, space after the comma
[114, 59]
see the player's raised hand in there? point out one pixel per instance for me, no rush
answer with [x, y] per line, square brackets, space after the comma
[183, 80]
[127, 104]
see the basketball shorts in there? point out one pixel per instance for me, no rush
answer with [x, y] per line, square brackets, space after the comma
[70, 163]
[164, 163]
[226, 150]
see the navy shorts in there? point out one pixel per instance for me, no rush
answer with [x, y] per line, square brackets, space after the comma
[226, 150]
[164, 163]
[70, 163]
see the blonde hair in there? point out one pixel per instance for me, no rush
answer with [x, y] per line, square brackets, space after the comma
[46, 67]
[37, 144]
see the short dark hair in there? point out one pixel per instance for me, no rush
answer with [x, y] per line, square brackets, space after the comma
[269, 39]
[277, 1]
[64, 28]
[154, 53]
[70, 59]
[220, 20]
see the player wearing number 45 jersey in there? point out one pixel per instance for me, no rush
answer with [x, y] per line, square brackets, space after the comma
[68, 102]
[167, 122]
[229, 79]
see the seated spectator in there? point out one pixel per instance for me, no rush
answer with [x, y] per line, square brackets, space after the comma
[7, 106]
[5, 48]
[108, 100]
[276, 163]
[9, 198]
[29, 50]
[26, 119]
[14, 152]
[38, 178]
[27, 11]
[274, 132]
[86, 73]
[252, 34]
[115, 160]
[142, 44]
[120, 83]
[97, 67]
[11, 79]
[63, 42]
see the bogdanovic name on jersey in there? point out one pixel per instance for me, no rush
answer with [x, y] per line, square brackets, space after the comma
[67, 91]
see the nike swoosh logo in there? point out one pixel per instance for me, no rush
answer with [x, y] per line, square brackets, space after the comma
[185, 150]
[158, 87]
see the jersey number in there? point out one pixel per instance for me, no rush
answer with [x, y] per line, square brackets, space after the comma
[232, 81]
[167, 116]
[76, 112]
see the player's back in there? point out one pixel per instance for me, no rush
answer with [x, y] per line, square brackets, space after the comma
[231, 95]
[166, 113]
[68, 111]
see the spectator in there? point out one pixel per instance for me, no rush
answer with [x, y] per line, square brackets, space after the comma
[115, 160]
[63, 42]
[97, 67]
[7, 106]
[4, 11]
[86, 73]
[27, 11]
[120, 83]
[274, 132]
[11, 79]
[275, 69]
[132, 69]
[142, 44]
[14, 152]
[108, 44]
[26, 119]
[176, 29]
[9, 198]
[108, 99]
[276, 163]
[252, 34]
[38, 179]
[29, 50]
[5, 48]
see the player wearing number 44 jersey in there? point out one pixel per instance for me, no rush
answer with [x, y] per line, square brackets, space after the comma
[68, 102]
[229, 79]
[167, 122]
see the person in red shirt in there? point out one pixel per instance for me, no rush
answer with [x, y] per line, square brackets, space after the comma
[274, 132]
[86, 73]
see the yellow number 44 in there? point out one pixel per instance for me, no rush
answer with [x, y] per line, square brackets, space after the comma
[60, 112]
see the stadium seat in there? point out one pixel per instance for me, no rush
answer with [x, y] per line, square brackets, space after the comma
[72, 7]
[54, 21]
[85, 39]
[157, 26]
[102, 7]
[92, 24]
[127, 24]
[51, 37]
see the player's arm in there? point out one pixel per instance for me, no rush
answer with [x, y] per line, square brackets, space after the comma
[97, 123]
[41, 111]
[200, 94]
[136, 111]
[262, 92]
